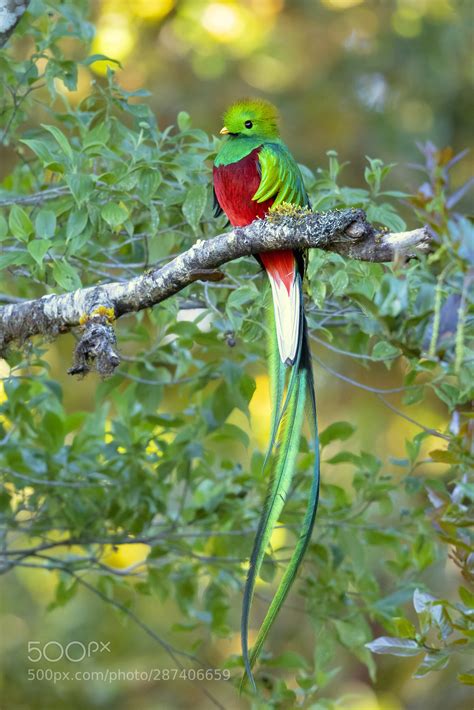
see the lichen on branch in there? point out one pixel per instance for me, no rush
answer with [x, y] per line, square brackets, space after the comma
[345, 232]
[11, 12]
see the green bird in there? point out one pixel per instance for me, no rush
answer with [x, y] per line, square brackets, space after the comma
[253, 172]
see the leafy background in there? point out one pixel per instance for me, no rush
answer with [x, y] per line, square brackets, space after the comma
[153, 476]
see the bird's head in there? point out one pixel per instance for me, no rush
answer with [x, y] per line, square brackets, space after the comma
[255, 118]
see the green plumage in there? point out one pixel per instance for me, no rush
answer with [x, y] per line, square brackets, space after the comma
[253, 189]
[303, 390]
[280, 176]
[276, 498]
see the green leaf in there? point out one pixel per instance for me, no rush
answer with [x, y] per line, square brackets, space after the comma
[350, 634]
[444, 456]
[150, 180]
[19, 223]
[395, 193]
[45, 224]
[115, 215]
[339, 281]
[98, 136]
[66, 276]
[288, 659]
[99, 58]
[194, 205]
[53, 430]
[466, 678]
[403, 627]
[414, 395]
[76, 223]
[344, 457]
[231, 433]
[413, 447]
[394, 646]
[3, 228]
[5, 501]
[14, 259]
[386, 215]
[184, 121]
[448, 393]
[81, 186]
[66, 70]
[42, 148]
[426, 604]
[368, 307]
[61, 140]
[38, 249]
[384, 351]
[65, 591]
[431, 662]
[354, 196]
[244, 294]
[336, 431]
[467, 597]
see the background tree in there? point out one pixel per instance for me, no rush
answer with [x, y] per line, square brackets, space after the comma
[136, 497]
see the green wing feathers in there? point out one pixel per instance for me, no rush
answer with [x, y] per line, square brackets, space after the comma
[280, 177]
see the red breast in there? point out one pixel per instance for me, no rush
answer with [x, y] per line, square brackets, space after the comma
[235, 185]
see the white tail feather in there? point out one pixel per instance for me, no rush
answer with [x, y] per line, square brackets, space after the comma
[287, 317]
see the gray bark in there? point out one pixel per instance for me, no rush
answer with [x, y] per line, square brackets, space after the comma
[11, 12]
[345, 232]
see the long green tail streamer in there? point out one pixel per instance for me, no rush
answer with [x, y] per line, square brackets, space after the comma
[288, 423]
[303, 540]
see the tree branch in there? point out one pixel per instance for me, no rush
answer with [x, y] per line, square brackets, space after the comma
[345, 232]
[11, 12]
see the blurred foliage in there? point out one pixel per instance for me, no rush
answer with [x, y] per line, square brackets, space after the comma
[360, 76]
[151, 488]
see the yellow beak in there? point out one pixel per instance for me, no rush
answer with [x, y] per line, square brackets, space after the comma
[223, 131]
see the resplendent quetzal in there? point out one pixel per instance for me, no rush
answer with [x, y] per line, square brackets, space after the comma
[253, 172]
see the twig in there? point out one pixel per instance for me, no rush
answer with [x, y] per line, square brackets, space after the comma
[55, 484]
[428, 430]
[358, 356]
[360, 385]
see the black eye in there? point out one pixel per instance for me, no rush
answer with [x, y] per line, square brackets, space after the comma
[248, 124]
